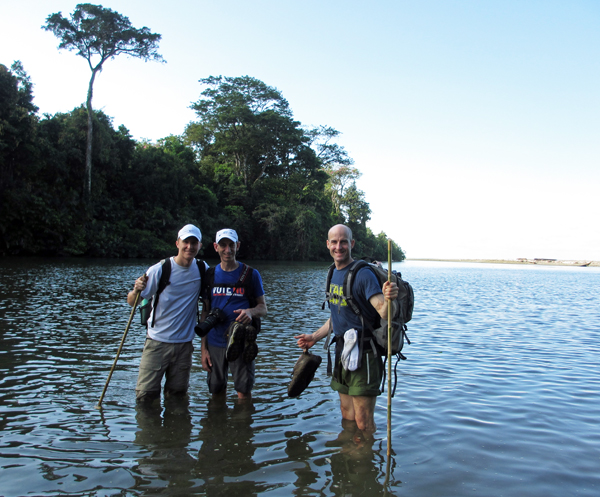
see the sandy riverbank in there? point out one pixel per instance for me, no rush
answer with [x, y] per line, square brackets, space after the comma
[539, 262]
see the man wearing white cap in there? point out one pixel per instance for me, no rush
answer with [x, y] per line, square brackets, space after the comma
[236, 300]
[173, 287]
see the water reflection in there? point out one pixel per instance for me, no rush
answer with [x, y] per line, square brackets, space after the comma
[165, 437]
[298, 448]
[227, 447]
[356, 468]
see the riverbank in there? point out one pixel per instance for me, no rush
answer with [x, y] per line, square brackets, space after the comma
[540, 262]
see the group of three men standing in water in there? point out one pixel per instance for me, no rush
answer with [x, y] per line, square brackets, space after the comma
[230, 344]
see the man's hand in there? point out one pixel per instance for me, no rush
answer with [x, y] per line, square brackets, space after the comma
[390, 290]
[379, 301]
[140, 284]
[305, 341]
[244, 316]
[138, 287]
[206, 361]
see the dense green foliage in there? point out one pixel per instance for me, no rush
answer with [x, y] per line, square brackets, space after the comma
[245, 164]
[99, 34]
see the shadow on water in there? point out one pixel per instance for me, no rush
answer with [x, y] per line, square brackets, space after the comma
[498, 397]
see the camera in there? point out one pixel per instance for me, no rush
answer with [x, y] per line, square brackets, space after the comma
[214, 317]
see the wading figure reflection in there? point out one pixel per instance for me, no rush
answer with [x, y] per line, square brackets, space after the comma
[227, 449]
[357, 469]
[166, 438]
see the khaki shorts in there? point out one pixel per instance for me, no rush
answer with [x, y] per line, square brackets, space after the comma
[173, 360]
[363, 382]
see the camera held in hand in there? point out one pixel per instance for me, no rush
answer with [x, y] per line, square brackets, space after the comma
[214, 317]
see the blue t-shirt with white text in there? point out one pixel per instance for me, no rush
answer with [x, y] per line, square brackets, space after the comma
[221, 297]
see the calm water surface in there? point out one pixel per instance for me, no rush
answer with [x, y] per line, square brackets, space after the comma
[499, 395]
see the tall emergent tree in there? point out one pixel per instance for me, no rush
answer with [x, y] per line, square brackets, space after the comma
[99, 34]
[266, 175]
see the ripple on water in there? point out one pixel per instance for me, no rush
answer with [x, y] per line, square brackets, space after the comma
[498, 396]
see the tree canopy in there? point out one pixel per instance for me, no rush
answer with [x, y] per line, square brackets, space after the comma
[98, 34]
[245, 163]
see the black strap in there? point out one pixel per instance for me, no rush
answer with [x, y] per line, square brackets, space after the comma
[399, 356]
[202, 269]
[164, 280]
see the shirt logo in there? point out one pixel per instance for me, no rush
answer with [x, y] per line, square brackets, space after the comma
[336, 295]
[225, 291]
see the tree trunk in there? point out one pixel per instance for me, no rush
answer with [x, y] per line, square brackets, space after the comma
[87, 182]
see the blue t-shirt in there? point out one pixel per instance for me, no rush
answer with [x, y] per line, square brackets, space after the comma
[220, 297]
[365, 286]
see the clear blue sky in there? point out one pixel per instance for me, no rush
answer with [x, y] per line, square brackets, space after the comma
[475, 124]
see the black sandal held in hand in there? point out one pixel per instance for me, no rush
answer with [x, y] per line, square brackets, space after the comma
[303, 373]
[250, 347]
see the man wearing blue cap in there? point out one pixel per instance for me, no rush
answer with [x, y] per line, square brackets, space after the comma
[234, 304]
[168, 347]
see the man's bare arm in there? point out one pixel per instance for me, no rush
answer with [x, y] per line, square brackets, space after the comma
[380, 300]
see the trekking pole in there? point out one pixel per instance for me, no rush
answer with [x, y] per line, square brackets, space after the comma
[137, 297]
[389, 358]
[389, 361]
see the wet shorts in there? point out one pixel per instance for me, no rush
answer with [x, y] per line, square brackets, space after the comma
[241, 371]
[173, 360]
[365, 381]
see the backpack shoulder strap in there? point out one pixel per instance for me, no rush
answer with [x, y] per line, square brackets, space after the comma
[367, 327]
[208, 281]
[164, 276]
[202, 269]
[164, 280]
[349, 284]
[245, 282]
[328, 286]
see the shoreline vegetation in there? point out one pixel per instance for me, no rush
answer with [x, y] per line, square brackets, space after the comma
[244, 163]
[539, 262]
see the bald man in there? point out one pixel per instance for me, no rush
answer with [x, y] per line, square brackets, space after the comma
[358, 389]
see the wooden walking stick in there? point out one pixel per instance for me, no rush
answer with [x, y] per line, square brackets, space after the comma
[389, 357]
[389, 373]
[137, 297]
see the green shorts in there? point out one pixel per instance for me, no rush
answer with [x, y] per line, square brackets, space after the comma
[365, 381]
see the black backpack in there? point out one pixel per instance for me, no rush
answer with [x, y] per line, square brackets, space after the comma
[245, 282]
[147, 305]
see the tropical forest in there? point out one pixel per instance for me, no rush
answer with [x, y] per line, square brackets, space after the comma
[73, 185]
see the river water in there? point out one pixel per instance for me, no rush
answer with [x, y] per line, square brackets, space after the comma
[500, 395]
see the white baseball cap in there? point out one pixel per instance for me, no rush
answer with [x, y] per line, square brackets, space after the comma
[189, 230]
[227, 233]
